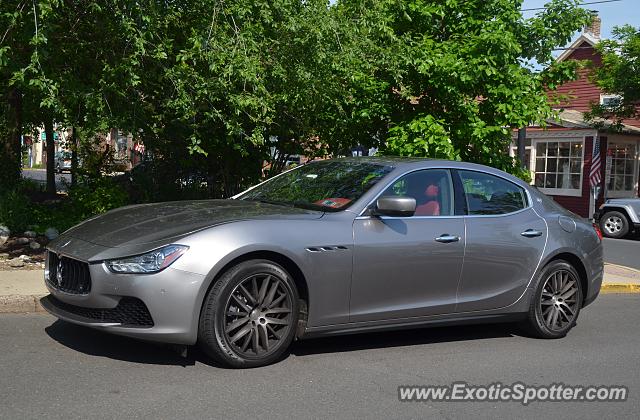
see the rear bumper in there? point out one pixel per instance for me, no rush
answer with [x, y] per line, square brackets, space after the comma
[595, 274]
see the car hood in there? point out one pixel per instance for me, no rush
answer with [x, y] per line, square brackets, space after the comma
[147, 223]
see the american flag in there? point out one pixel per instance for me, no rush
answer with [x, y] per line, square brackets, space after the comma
[596, 165]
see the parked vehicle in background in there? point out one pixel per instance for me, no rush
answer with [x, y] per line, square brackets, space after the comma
[618, 217]
[62, 162]
[331, 247]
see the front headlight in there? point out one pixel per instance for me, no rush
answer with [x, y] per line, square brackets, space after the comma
[151, 262]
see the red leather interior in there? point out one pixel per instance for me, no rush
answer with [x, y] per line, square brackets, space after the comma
[431, 207]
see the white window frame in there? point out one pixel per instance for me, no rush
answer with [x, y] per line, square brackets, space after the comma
[624, 193]
[570, 192]
[605, 96]
[513, 152]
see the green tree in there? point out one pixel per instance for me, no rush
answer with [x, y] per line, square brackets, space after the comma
[15, 37]
[456, 75]
[620, 75]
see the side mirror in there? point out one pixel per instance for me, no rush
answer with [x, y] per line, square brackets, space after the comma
[395, 206]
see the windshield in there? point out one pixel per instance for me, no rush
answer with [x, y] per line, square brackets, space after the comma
[323, 185]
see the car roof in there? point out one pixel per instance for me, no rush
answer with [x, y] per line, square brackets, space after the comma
[383, 160]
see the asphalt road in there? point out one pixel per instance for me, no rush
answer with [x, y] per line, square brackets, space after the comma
[53, 369]
[40, 175]
[623, 251]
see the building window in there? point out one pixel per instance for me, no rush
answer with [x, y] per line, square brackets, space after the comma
[622, 178]
[558, 166]
[610, 101]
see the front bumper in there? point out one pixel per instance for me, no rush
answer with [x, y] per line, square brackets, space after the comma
[117, 303]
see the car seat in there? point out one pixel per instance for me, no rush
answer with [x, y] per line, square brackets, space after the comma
[431, 204]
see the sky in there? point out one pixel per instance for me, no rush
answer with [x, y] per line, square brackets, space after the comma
[612, 14]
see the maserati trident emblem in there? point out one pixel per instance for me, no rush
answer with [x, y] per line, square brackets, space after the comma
[59, 273]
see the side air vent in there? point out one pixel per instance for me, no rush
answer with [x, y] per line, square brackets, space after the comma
[328, 248]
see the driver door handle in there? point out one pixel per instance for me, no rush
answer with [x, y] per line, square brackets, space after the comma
[531, 233]
[445, 238]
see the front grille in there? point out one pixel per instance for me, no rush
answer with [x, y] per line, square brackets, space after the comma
[130, 312]
[69, 275]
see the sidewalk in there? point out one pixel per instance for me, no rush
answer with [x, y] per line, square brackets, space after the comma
[620, 279]
[20, 290]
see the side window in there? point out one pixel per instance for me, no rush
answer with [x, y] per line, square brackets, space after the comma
[488, 194]
[432, 189]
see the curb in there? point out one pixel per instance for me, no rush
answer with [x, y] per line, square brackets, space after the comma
[620, 288]
[21, 303]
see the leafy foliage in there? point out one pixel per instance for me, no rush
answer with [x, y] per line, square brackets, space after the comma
[213, 87]
[22, 207]
[619, 74]
[454, 74]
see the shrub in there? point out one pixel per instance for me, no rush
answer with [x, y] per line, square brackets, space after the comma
[15, 210]
[96, 196]
[21, 208]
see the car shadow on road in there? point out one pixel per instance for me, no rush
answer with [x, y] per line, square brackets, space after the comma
[402, 338]
[100, 344]
[97, 343]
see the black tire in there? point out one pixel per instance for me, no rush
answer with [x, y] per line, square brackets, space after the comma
[540, 318]
[241, 305]
[614, 224]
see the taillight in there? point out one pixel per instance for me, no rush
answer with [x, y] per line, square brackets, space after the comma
[598, 231]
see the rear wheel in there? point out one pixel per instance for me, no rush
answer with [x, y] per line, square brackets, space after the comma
[614, 224]
[556, 304]
[250, 315]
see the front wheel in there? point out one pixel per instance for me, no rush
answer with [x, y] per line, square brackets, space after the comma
[557, 301]
[250, 315]
[614, 224]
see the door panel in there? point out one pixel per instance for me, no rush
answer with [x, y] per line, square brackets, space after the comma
[409, 266]
[499, 261]
[505, 241]
[400, 270]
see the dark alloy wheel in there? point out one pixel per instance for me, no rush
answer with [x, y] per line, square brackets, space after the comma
[258, 315]
[557, 302]
[250, 315]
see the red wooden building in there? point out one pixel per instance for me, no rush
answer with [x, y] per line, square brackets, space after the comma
[559, 156]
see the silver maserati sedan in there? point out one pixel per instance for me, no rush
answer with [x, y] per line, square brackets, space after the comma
[331, 247]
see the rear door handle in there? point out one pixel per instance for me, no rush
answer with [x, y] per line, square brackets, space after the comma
[445, 238]
[531, 233]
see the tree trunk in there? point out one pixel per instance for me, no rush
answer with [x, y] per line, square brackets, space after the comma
[74, 157]
[51, 156]
[10, 153]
